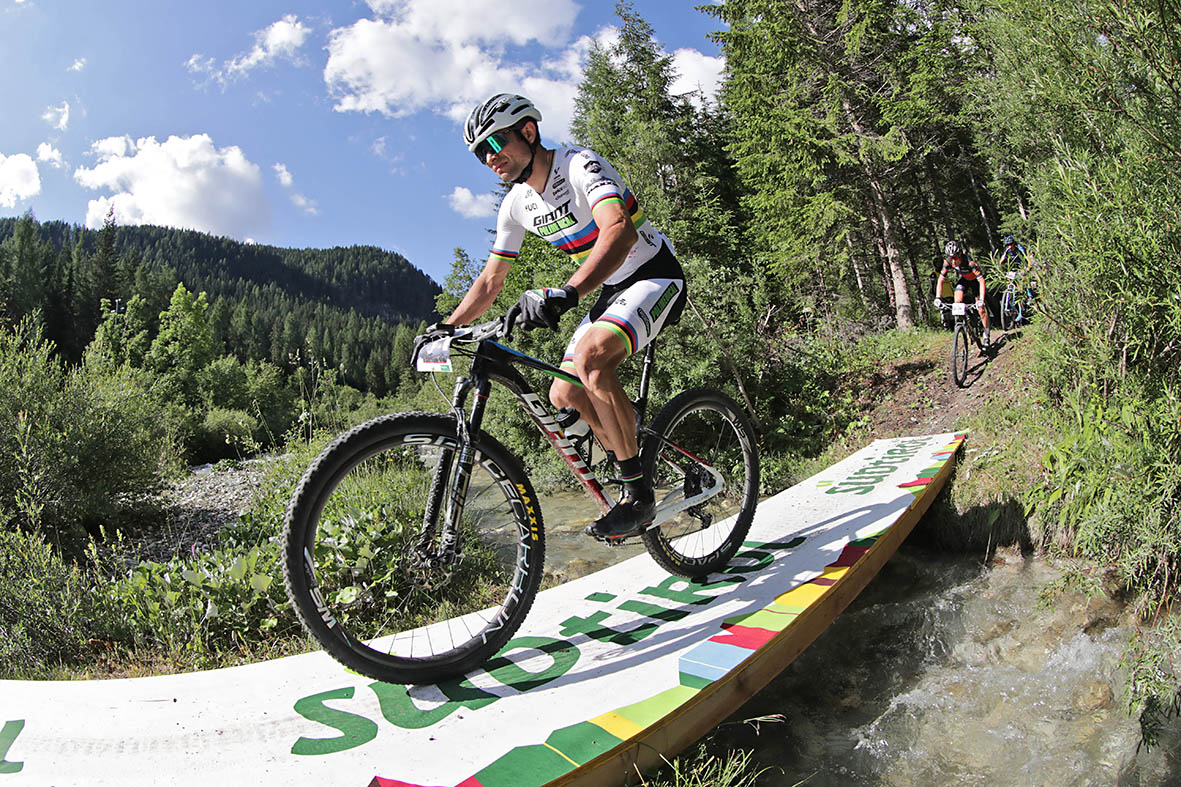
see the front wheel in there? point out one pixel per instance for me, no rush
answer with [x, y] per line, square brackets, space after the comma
[1009, 311]
[959, 354]
[700, 447]
[376, 575]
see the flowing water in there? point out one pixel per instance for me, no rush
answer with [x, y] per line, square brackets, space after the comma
[569, 553]
[943, 671]
[947, 672]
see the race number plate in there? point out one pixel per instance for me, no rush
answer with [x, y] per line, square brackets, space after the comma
[1011, 275]
[435, 356]
[959, 309]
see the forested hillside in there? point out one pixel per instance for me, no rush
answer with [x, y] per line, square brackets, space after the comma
[341, 307]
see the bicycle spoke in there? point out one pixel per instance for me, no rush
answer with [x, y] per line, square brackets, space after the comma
[704, 446]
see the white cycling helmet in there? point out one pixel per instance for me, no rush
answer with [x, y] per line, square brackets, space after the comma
[503, 110]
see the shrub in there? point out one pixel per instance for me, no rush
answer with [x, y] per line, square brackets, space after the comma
[47, 610]
[223, 384]
[223, 434]
[82, 443]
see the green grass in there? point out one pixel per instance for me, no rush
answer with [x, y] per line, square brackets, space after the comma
[701, 769]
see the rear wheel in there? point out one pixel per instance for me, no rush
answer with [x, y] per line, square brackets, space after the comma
[373, 572]
[959, 354]
[701, 440]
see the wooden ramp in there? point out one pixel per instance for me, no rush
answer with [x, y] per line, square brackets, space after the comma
[609, 672]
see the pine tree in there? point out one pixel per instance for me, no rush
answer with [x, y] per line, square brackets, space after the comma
[183, 347]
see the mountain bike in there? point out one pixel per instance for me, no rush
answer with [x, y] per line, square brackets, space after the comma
[1012, 305]
[968, 328]
[414, 544]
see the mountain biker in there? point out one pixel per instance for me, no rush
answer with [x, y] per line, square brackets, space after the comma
[574, 198]
[1013, 253]
[1017, 258]
[970, 280]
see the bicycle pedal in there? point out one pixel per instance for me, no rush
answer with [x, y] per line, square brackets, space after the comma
[616, 542]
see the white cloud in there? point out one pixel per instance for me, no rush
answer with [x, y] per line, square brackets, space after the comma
[283, 175]
[200, 64]
[491, 21]
[59, 116]
[19, 179]
[183, 182]
[472, 206]
[281, 40]
[112, 147]
[308, 206]
[286, 180]
[697, 71]
[445, 55]
[50, 155]
[79, 64]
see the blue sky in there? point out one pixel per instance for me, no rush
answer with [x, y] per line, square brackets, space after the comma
[291, 122]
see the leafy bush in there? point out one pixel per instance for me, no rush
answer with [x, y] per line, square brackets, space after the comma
[212, 609]
[48, 614]
[83, 443]
[223, 384]
[224, 434]
[1087, 101]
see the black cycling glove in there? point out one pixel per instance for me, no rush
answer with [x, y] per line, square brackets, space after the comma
[542, 308]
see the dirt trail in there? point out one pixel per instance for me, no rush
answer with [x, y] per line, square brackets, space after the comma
[918, 396]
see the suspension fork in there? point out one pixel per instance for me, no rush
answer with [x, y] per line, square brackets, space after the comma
[448, 490]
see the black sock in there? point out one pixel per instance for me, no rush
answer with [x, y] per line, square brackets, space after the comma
[635, 485]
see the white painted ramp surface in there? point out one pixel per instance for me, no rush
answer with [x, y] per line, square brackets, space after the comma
[603, 663]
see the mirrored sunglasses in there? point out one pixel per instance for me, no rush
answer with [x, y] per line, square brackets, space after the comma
[493, 144]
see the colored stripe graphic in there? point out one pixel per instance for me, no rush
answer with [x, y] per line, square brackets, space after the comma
[607, 198]
[622, 329]
[744, 636]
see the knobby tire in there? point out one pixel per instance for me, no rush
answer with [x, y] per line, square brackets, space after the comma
[368, 596]
[712, 428]
[959, 354]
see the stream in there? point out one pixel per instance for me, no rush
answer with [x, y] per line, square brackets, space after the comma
[943, 671]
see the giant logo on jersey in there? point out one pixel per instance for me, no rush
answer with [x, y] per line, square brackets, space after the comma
[554, 221]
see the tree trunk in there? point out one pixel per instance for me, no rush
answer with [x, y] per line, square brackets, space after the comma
[1020, 204]
[929, 224]
[903, 312]
[988, 231]
[887, 282]
[857, 272]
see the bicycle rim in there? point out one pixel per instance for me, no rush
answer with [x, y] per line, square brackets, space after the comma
[376, 586]
[703, 430]
[959, 355]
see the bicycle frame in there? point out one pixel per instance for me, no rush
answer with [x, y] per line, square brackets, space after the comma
[495, 362]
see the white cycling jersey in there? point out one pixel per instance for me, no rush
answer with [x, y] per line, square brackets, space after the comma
[579, 180]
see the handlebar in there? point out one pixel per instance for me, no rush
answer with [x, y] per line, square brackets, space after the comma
[477, 332]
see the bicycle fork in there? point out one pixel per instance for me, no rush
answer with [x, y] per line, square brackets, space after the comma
[448, 492]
